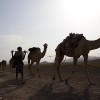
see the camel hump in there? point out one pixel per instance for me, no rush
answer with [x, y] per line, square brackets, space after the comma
[33, 49]
[76, 39]
[73, 39]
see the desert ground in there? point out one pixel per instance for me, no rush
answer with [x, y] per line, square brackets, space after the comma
[44, 88]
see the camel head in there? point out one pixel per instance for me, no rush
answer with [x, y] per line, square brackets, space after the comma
[44, 51]
[45, 45]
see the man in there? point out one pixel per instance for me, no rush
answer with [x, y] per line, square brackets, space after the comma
[18, 61]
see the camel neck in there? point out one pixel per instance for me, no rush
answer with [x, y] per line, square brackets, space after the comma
[94, 44]
[43, 53]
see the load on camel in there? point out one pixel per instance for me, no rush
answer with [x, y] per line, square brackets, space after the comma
[71, 42]
[74, 46]
[35, 55]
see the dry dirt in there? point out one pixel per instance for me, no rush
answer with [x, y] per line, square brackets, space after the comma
[44, 88]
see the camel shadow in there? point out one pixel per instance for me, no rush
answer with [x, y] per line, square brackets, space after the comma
[85, 95]
[46, 93]
[9, 86]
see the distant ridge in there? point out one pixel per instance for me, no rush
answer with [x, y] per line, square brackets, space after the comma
[44, 62]
[95, 60]
[70, 60]
[90, 58]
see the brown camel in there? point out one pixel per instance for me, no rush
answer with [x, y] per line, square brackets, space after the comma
[35, 56]
[74, 46]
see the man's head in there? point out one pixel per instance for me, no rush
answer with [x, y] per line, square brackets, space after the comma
[19, 48]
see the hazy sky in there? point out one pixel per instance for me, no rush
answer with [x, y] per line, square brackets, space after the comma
[29, 23]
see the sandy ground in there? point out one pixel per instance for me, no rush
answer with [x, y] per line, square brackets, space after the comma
[45, 88]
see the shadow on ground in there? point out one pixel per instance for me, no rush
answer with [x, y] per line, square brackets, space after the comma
[2, 74]
[46, 93]
[8, 85]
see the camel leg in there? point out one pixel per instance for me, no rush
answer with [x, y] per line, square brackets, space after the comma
[85, 61]
[3, 67]
[37, 70]
[53, 78]
[58, 59]
[22, 76]
[11, 69]
[73, 71]
[29, 68]
[57, 65]
[16, 74]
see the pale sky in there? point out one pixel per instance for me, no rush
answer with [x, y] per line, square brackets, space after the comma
[31, 23]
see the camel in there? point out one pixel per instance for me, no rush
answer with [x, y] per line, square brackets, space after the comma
[81, 47]
[35, 55]
[3, 64]
[11, 61]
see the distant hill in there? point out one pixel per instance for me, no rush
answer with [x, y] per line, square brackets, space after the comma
[70, 60]
[44, 62]
[90, 58]
[95, 61]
